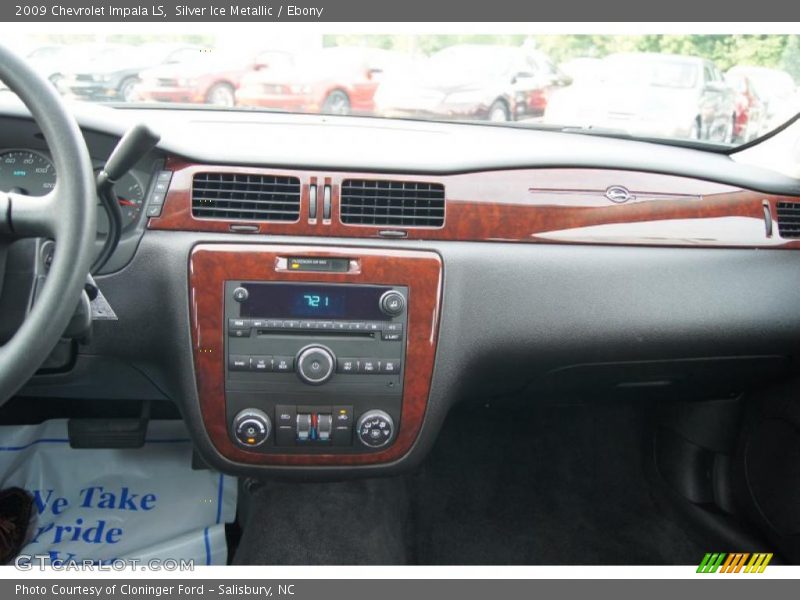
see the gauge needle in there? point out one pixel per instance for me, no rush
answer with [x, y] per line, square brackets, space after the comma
[125, 202]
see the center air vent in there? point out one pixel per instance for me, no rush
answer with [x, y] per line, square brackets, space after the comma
[399, 203]
[246, 196]
[789, 219]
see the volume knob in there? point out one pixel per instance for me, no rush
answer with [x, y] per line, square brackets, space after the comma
[315, 364]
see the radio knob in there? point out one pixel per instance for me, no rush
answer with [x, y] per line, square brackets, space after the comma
[375, 428]
[392, 303]
[251, 427]
[315, 364]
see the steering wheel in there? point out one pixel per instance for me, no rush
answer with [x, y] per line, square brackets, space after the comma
[65, 215]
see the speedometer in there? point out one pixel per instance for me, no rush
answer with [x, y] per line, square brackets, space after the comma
[26, 172]
[130, 195]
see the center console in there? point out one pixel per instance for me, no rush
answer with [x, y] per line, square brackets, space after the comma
[313, 356]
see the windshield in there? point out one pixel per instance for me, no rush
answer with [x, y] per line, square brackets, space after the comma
[651, 70]
[716, 89]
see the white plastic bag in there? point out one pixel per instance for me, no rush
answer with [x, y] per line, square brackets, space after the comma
[102, 505]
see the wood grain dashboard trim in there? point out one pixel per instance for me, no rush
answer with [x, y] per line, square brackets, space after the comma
[546, 205]
[210, 265]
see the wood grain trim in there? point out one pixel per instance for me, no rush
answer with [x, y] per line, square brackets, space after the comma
[211, 264]
[527, 205]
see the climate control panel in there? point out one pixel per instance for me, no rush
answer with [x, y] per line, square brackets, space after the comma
[314, 368]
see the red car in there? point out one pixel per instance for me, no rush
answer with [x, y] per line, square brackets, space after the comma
[750, 108]
[332, 81]
[209, 78]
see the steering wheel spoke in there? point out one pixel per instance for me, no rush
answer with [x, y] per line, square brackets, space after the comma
[29, 216]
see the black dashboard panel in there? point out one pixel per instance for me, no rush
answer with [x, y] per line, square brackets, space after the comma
[550, 307]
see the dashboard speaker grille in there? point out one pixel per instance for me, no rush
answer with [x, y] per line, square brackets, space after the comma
[252, 197]
[398, 203]
[789, 219]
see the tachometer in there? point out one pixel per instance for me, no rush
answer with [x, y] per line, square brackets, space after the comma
[26, 172]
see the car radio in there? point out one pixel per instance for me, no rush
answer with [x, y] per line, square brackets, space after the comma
[314, 367]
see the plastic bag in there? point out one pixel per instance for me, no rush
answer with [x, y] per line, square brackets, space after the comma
[103, 505]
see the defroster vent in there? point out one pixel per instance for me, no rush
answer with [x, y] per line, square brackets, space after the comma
[253, 197]
[394, 203]
[789, 219]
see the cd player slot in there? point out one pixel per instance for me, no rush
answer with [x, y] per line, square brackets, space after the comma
[317, 333]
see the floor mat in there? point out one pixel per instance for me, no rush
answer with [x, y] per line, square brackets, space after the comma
[102, 505]
[360, 522]
[545, 485]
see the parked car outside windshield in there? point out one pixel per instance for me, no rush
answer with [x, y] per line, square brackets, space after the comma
[111, 72]
[339, 81]
[651, 95]
[721, 90]
[487, 83]
[204, 78]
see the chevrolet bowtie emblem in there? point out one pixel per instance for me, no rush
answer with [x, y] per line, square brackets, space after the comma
[619, 194]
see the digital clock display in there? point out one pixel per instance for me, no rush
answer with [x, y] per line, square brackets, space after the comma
[313, 301]
[318, 303]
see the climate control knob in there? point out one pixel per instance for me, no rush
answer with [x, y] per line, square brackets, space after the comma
[375, 428]
[251, 427]
[392, 303]
[315, 364]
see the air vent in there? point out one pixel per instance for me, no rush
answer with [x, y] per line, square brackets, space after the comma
[246, 196]
[398, 203]
[789, 219]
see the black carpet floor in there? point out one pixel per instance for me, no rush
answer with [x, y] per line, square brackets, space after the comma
[361, 522]
[559, 484]
[562, 484]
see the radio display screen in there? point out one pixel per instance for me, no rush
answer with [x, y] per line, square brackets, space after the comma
[313, 301]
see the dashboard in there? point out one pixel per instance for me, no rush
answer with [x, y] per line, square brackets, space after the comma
[32, 173]
[316, 309]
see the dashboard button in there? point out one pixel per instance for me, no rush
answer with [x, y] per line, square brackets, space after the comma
[240, 294]
[390, 366]
[392, 303]
[315, 365]
[285, 424]
[347, 365]
[261, 363]
[369, 366]
[238, 362]
[283, 364]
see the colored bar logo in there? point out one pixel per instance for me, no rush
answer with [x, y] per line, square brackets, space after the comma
[736, 562]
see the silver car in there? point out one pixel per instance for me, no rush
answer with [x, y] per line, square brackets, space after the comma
[653, 95]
